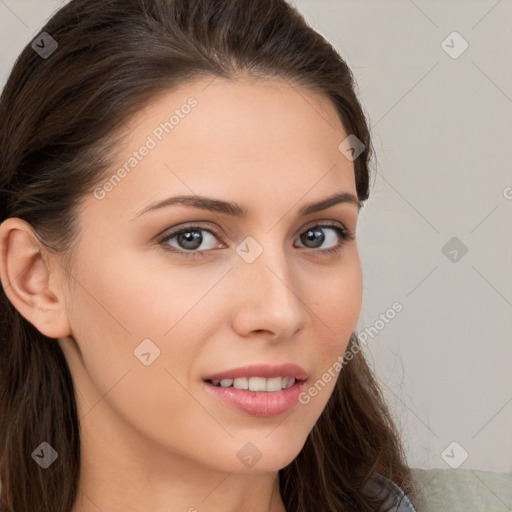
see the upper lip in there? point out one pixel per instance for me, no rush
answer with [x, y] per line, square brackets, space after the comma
[261, 370]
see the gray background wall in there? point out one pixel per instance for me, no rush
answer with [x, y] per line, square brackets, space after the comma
[441, 124]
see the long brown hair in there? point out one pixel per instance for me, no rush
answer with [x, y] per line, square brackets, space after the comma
[58, 116]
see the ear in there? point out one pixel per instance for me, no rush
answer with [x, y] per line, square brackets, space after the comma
[27, 280]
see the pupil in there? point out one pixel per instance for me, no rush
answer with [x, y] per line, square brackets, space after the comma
[191, 237]
[312, 233]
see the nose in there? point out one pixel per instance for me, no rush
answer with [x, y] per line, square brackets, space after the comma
[269, 297]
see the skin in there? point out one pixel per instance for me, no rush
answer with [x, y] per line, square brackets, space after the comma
[151, 436]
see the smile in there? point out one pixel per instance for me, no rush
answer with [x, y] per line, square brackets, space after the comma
[256, 383]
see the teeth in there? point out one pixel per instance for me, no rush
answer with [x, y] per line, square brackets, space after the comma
[256, 383]
[275, 384]
[241, 383]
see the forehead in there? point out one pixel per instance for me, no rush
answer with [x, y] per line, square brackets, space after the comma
[245, 138]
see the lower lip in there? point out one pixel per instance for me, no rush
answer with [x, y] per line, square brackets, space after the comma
[264, 404]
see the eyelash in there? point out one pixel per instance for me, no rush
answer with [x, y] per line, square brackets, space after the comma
[343, 233]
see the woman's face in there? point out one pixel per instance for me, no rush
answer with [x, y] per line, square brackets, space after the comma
[152, 314]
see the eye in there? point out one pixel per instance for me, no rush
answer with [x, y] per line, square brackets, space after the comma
[190, 240]
[316, 237]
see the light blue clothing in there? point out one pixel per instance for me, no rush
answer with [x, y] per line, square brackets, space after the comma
[400, 504]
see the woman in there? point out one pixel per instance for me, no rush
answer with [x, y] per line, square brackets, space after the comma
[180, 187]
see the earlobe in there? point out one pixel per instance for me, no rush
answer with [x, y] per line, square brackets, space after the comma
[27, 280]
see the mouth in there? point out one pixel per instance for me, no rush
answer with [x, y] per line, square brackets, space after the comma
[259, 377]
[258, 390]
[255, 383]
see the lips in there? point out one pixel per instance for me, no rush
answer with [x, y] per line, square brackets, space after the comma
[264, 404]
[266, 371]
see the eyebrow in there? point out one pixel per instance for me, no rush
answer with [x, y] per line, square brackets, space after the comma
[236, 210]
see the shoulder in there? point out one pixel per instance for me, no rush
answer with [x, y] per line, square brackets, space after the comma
[398, 500]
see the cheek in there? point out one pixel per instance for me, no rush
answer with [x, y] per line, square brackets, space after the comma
[132, 296]
[124, 303]
[336, 299]
[336, 305]
[114, 310]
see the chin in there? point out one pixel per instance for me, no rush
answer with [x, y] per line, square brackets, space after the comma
[271, 461]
